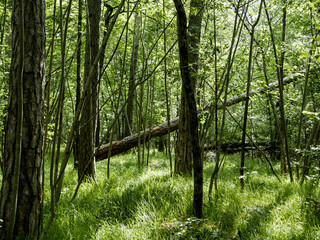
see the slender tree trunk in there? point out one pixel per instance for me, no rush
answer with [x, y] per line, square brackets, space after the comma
[55, 157]
[246, 108]
[216, 87]
[151, 116]
[107, 18]
[166, 86]
[283, 127]
[88, 123]
[273, 134]
[214, 175]
[78, 90]
[27, 219]
[47, 115]
[279, 67]
[303, 104]
[140, 137]
[132, 77]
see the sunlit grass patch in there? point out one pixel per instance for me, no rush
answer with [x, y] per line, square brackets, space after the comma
[148, 203]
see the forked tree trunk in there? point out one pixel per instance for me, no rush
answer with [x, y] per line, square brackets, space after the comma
[246, 108]
[27, 218]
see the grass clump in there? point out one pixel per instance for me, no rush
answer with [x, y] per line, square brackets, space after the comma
[147, 203]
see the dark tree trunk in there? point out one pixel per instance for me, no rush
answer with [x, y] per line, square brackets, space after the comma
[183, 156]
[78, 90]
[283, 127]
[192, 109]
[132, 78]
[88, 123]
[28, 217]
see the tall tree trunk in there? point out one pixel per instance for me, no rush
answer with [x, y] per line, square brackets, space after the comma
[183, 157]
[107, 18]
[132, 78]
[283, 127]
[303, 105]
[192, 109]
[246, 108]
[236, 31]
[76, 145]
[280, 75]
[27, 218]
[4, 14]
[166, 86]
[88, 121]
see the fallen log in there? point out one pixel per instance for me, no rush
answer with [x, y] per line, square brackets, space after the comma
[132, 141]
[129, 142]
[236, 146]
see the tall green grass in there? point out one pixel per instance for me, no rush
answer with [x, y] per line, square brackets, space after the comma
[149, 204]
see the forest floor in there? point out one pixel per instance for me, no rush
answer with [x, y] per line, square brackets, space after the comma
[149, 204]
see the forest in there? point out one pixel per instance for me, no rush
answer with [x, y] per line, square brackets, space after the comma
[160, 119]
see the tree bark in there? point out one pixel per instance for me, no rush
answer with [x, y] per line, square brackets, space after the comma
[88, 123]
[191, 109]
[183, 156]
[30, 191]
[76, 144]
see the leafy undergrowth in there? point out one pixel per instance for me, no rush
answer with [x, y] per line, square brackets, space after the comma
[149, 204]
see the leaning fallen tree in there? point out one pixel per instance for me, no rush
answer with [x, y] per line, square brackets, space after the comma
[129, 142]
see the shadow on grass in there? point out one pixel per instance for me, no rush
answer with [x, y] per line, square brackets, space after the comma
[133, 198]
[154, 193]
[116, 200]
[311, 209]
[256, 216]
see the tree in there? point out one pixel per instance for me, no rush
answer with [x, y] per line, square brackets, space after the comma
[183, 157]
[132, 77]
[246, 108]
[76, 144]
[191, 108]
[88, 123]
[22, 191]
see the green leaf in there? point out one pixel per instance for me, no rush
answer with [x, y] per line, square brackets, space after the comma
[304, 55]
